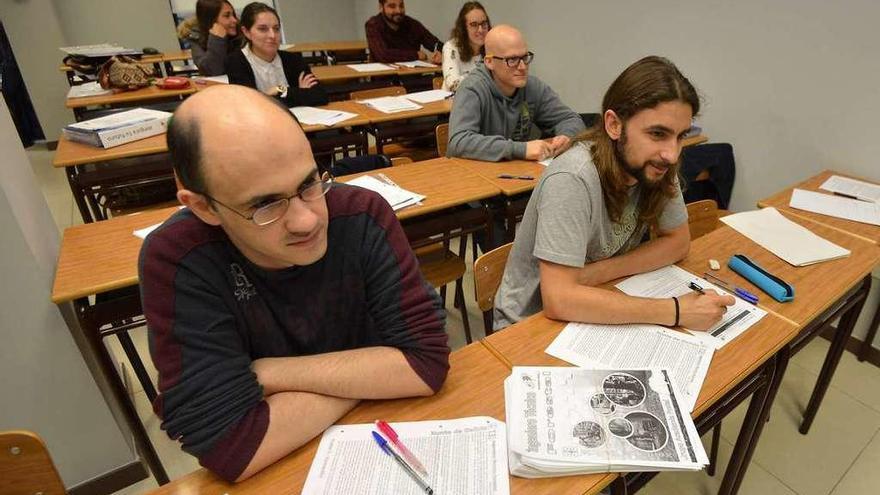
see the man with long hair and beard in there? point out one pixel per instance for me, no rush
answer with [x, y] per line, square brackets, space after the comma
[594, 205]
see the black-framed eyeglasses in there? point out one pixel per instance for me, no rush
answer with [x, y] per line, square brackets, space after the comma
[478, 25]
[515, 60]
[311, 190]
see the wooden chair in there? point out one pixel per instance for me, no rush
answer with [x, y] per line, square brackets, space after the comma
[440, 267]
[488, 270]
[437, 82]
[366, 94]
[25, 465]
[392, 149]
[442, 134]
[702, 217]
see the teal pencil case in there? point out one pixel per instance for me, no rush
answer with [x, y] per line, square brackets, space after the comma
[774, 286]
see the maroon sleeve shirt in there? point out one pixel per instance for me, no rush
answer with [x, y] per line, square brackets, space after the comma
[402, 45]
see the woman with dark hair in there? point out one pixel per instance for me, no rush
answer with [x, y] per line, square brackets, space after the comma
[213, 35]
[262, 66]
[465, 50]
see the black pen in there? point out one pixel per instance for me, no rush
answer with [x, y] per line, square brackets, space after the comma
[694, 287]
[520, 177]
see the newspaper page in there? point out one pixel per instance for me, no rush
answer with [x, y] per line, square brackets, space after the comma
[638, 346]
[564, 421]
[464, 456]
[673, 281]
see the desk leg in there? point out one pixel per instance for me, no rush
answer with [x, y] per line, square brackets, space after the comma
[865, 350]
[78, 194]
[750, 431]
[108, 374]
[841, 336]
[618, 486]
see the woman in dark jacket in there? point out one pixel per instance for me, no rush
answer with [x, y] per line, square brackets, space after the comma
[213, 35]
[262, 66]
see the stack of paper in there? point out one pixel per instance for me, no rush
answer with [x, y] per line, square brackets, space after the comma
[119, 128]
[462, 456]
[793, 243]
[415, 63]
[836, 206]
[638, 346]
[429, 96]
[391, 104]
[672, 281]
[320, 116]
[852, 187]
[99, 50]
[372, 67]
[396, 196]
[87, 89]
[566, 421]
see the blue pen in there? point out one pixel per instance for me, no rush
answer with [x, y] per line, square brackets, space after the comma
[383, 444]
[737, 291]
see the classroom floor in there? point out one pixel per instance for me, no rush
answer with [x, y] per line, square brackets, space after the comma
[840, 456]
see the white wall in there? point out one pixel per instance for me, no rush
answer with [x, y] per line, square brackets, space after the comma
[45, 384]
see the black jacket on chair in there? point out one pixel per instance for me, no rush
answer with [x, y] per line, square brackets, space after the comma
[240, 72]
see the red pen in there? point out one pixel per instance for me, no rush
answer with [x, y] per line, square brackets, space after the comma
[386, 429]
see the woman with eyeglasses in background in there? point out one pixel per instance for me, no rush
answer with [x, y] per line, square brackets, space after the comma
[261, 65]
[465, 49]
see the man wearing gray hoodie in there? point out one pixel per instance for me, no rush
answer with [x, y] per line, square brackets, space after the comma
[497, 105]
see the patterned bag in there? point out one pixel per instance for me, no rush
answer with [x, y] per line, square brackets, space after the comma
[124, 74]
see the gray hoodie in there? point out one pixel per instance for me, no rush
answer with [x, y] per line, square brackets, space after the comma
[486, 125]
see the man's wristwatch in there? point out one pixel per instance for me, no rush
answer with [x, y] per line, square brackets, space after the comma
[282, 91]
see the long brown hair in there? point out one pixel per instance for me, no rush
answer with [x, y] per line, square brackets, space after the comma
[460, 31]
[643, 85]
[207, 12]
[249, 17]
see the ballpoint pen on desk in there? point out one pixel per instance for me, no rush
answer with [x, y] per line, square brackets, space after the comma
[737, 291]
[520, 177]
[406, 467]
[392, 437]
[696, 288]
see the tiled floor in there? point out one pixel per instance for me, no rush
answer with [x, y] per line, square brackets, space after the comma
[840, 456]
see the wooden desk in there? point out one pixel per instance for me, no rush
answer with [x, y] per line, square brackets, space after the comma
[509, 187]
[432, 109]
[327, 46]
[781, 199]
[444, 185]
[150, 93]
[338, 73]
[474, 387]
[740, 369]
[86, 185]
[868, 232]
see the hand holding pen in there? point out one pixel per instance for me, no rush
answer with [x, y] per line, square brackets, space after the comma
[702, 309]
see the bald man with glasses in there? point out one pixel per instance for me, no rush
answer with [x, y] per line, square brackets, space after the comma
[502, 113]
[276, 300]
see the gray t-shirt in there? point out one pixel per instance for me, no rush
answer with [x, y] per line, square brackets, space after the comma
[566, 222]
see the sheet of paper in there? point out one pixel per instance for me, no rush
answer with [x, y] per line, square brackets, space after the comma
[391, 104]
[466, 456]
[546, 162]
[429, 96]
[87, 89]
[687, 358]
[836, 206]
[372, 67]
[396, 196]
[120, 119]
[412, 64]
[320, 116]
[852, 187]
[673, 281]
[224, 79]
[792, 242]
[144, 232]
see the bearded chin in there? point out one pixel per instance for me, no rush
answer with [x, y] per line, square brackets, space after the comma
[638, 173]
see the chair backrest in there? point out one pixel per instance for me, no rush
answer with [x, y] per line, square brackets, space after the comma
[442, 134]
[366, 94]
[437, 82]
[25, 465]
[702, 217]
[356, 164]
[488, 270]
